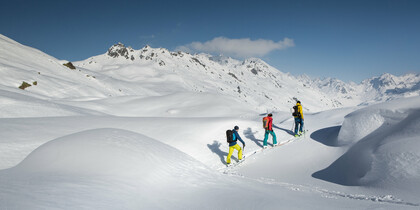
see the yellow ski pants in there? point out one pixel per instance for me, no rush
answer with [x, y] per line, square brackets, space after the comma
[237, 147]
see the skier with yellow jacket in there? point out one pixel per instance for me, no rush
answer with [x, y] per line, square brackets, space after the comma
[298, 114]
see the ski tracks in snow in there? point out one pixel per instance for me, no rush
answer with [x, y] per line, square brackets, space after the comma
[389, 199]
[229, 169]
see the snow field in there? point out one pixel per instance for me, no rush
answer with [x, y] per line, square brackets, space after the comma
[120, 169]
[103, 164]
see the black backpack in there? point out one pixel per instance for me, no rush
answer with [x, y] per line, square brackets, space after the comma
[229, 136]
[296, 111]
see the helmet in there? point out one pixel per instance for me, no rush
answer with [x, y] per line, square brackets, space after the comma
[236, 127]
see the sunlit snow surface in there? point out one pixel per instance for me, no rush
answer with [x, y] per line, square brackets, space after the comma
[150, 146]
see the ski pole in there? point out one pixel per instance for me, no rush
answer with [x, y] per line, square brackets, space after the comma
[293, 125]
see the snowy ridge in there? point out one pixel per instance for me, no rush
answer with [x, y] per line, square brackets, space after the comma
[388, 87]
[377, 89]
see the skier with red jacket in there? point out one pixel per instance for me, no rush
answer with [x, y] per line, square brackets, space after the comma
[268, 126]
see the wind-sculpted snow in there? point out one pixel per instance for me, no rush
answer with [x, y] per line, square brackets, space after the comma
[384, 147]
[363, 122]
[360, 124]
[109, 152]
[116, 169]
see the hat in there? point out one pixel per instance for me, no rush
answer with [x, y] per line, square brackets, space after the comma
[270, 115]
[236, 127]
[298, 102]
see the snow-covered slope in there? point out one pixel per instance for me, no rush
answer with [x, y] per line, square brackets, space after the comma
[48, 77]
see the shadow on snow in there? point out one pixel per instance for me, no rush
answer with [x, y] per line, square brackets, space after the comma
[285, 130]
[250, 135]
[215, 148]
[327, 136]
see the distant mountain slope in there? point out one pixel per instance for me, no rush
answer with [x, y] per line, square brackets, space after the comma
[388, 87]
[252, 81]
[377, 89]
[48, 77]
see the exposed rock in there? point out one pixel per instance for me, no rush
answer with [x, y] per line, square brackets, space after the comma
[69, 65]
[24, 85]
[120, 50]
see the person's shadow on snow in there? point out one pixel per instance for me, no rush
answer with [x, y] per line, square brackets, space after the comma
[250, 135]
[215, 148]
[285, 130]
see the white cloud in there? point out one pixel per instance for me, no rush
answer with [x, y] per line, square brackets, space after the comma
[241, 48]
[147, 36]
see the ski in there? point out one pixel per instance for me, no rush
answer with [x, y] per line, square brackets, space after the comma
[301, 134]
[237, 163]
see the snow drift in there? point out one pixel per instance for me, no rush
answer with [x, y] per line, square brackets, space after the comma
[109, 152]
[118, 169]
[384, 142]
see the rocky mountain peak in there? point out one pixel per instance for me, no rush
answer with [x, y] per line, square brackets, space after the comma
[120, 49]
[385, 80]
[255, 65]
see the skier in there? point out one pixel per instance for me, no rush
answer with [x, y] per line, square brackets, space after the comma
[268, 126]
[233, 145]
[299, 119]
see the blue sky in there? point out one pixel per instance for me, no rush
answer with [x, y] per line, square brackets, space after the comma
[348, 40]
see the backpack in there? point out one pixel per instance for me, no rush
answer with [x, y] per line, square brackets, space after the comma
[229, 136]
[296, 111]
[265, 122]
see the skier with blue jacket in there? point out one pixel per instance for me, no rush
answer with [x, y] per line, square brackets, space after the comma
[234, 145]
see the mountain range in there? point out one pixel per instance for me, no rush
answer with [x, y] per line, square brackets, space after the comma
[154, 72]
